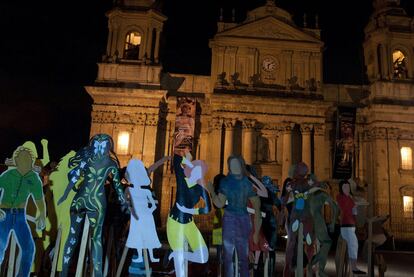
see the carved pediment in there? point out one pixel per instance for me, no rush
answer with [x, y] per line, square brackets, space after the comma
[269, 28]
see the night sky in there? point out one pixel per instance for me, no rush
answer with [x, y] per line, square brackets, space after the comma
[49, 50]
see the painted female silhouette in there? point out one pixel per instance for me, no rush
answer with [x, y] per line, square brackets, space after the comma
[180, 225]
[142, 231]
[94, 164]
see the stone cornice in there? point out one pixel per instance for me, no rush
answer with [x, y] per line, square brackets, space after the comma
[382, 133]
[113, 117]
[406, 135]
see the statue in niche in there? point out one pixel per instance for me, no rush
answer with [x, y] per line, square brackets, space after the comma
[293, 84]
[221, 80]
[312, 85]
[255, 80]
[264, 151]
[235, 79]
[400, 68]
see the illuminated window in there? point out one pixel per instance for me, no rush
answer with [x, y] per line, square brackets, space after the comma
[406, 158]
[408, 202]
[123, 143]
[132, 43]
[399, 63]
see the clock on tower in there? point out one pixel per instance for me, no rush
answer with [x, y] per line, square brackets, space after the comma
[269, 68]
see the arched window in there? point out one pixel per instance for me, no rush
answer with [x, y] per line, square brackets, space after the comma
[406, 158]
[399, 64]
[132, 44]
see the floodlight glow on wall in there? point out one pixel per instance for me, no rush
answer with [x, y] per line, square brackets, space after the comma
[408, 202]
[406, 158]
[123, 143]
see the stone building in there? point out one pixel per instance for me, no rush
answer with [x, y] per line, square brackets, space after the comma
[266, 100]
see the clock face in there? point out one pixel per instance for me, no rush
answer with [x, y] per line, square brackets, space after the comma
[269, 64]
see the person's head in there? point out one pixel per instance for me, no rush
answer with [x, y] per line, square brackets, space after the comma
[285, 184]
[23, 159]
[101, 145]
[136, 174]
[301, 169]
[185, 109]
[236, 165]
[345, 187]
[32, 147]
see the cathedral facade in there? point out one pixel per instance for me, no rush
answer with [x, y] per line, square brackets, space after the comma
[265, 100]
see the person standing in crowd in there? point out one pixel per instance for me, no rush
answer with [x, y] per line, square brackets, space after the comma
[236, 189]
[348, 210]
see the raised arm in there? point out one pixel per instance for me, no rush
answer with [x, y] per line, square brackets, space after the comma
[157, 164]
[46, 158]
[261, 189]
[74, 175]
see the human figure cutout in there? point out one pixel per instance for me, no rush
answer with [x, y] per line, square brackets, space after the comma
[94, 163]
[317, 202]
[17, 185]
[180, 225]
[299, 190]
[142, 231]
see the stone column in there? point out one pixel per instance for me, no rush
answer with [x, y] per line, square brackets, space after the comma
[279, 147]
[214, 147]
[157, 47]
[248, 141]
[149, 43]
[228, 142]
[149, 143]
[287, 150]
[306, 130]
[321, 167]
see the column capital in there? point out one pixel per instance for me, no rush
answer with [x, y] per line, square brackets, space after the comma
[249, 123]
[229, 123]
[306, 128]
[384, 133]
[216, 123]
[394, 133]
[319, 129]
[287, 127]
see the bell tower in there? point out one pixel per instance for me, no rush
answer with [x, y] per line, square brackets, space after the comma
[389, 43]
[134, 32]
